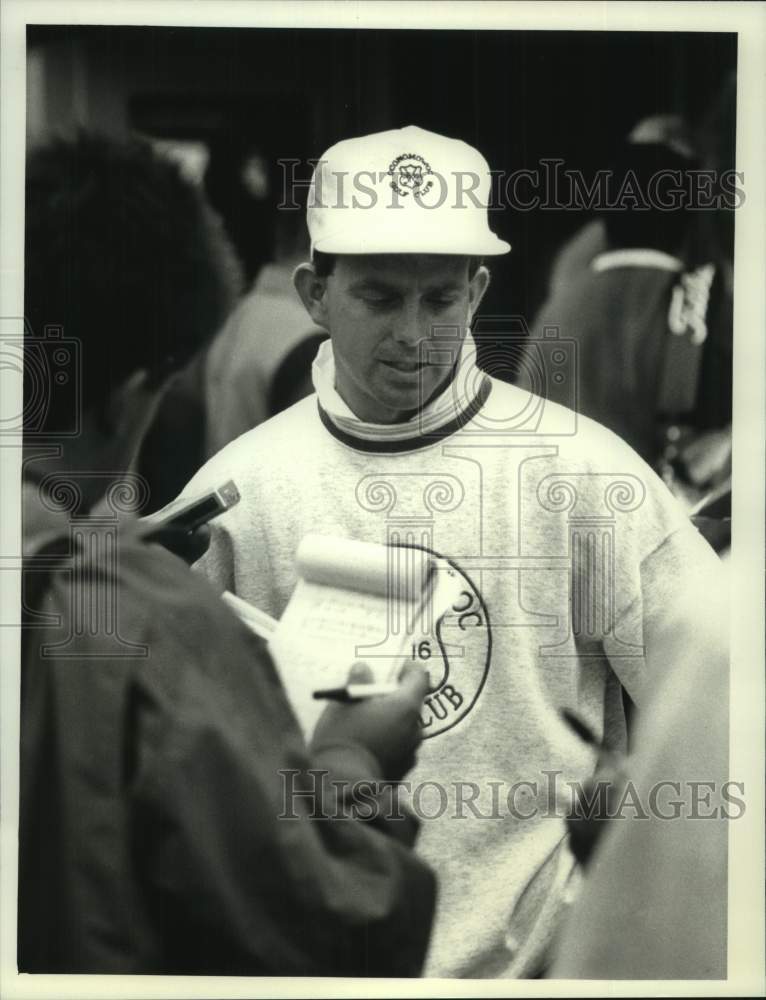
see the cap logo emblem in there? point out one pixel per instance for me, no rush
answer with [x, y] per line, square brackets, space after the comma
[409, 173]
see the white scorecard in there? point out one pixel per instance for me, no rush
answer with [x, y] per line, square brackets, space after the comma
[353, 601]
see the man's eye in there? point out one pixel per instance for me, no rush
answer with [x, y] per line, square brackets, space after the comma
[378, 301]
[441, 303]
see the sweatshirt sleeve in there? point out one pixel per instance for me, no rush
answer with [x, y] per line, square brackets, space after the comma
[677, 602]
[639, 567]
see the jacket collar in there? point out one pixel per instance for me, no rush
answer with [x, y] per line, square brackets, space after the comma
[637, 257]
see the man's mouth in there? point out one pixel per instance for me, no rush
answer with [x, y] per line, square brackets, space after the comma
[405, 367]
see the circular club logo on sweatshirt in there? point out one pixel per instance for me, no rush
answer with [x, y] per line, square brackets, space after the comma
[456, 651]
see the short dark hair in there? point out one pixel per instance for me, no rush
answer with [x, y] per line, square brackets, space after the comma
[123, 254]
[324, 264]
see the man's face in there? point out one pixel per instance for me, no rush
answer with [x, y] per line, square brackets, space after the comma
[381, 313]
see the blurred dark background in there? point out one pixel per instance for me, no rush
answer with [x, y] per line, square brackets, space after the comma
[254, 95]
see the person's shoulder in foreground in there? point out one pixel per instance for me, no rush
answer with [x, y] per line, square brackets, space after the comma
[181, 801]
[655, 903]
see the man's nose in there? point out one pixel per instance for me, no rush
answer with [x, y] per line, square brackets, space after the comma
[411, 328]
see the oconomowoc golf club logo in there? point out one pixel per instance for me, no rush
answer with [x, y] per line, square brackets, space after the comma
[409, 173]
[456, 654]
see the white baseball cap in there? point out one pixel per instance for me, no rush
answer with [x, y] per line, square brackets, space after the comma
[403, 191]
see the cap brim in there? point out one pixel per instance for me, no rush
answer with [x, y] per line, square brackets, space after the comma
[491, 246]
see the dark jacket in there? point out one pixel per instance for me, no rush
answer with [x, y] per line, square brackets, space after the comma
[151, 746]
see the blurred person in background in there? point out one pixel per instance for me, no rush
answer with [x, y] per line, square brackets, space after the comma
[237, 183]
[643, 292]
[153, 724]
[260, 360]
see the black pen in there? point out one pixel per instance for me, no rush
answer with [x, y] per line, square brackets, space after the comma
[586, 734]
[356, 692]
[577, 725]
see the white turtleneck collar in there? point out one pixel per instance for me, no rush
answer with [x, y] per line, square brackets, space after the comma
[450, 410]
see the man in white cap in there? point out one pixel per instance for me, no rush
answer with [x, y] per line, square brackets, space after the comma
[567, 553]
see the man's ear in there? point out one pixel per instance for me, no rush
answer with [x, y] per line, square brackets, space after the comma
[311, 289]
[477, 286]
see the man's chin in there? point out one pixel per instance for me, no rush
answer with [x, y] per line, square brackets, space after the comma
[410, 390]
[410, 398]
[395, 400]
[395, 408]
